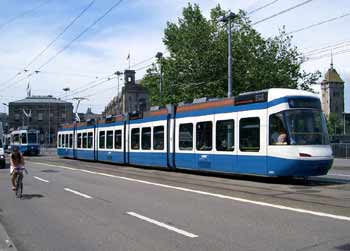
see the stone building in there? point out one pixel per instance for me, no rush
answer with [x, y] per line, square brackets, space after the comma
[4, 121]
[332, 89]
[133, 97]
[44, 113]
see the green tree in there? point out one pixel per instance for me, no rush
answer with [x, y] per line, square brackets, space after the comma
[197, 64]
[334, 124]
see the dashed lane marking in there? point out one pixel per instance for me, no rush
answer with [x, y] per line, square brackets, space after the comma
[161, 224]
[78, 193]
[35, 177]
[281, 207]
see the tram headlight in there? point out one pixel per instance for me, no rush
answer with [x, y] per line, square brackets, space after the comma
[2, 157]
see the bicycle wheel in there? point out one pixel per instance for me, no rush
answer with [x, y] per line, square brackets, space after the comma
[19, 185]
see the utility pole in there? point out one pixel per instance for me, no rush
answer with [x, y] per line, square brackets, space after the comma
[118, 73]
[159, 56]
[66, 90]
[228, 20]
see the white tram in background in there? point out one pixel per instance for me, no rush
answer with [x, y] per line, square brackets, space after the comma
[27, 140]
[275, 132]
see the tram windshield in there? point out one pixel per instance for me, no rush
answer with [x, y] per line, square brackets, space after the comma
[298, 127]
[32, 138]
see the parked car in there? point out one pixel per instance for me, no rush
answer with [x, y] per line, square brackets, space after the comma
[2, 156]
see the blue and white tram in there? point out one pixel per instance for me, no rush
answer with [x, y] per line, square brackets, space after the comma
[276, 132]
[26, 140]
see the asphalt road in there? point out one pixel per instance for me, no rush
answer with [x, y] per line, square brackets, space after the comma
[75, 205]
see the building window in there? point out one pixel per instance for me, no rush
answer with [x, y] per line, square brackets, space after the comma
[17, 116]
[204, 136]
[158, 138]
[109, 139]
[146, 138]
[118, 139]
[102, 139]
[225, 131]
[135, 138]
[40, 116]
[249, 134]
[186, 136]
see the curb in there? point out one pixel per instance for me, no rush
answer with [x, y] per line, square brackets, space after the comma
[6, 243]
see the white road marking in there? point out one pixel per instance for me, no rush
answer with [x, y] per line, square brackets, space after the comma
[294, 209]
[78, 193]
[161, 224]
[339, 174]
[41, 179]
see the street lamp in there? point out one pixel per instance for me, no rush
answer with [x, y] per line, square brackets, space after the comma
[118, 73]
[228, 20]
[159, 56]
[66, 90]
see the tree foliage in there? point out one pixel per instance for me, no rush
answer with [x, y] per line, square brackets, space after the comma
[197, 61]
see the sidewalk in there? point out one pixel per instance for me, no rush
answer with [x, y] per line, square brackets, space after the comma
[5, 241]
[341, 163]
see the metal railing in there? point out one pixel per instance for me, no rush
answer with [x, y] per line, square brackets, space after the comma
[341, 150]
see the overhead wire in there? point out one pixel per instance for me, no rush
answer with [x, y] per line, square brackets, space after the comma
[262, 7]
[282, 12]
[319, 23]
[81, 34]
[23, 14]
[53, 41]
[85, 9]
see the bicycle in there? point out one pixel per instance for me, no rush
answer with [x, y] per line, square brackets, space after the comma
[19, 183]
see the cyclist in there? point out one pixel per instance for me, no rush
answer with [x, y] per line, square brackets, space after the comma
[17, 165]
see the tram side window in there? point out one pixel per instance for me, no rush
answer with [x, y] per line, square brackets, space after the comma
[249, 134]
[79, 140]
[85, 139]
[118, 139]
[67, 140]
[102, 139]
[70, 140]
[278, 132]
[90, 137]
[24, 138]
[158, 138]
[135, 138]
[16, 139]
[225, 132]
[186, 136]
[204, 136]
[146, 138]
[59, 140]
[63, 141]
[109, 139]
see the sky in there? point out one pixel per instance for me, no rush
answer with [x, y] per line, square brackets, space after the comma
[136, 27]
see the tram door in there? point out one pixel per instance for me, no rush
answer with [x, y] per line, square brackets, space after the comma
[204, 147]
[251, 156]
[224, 139]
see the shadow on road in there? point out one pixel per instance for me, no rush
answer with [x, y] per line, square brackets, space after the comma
[31, 196]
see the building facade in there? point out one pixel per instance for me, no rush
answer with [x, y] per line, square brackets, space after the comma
[332, 90]
[44, 113]
[4, 121]
[133, 97]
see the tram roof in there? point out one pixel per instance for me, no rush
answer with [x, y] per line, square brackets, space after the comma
[204, 103]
